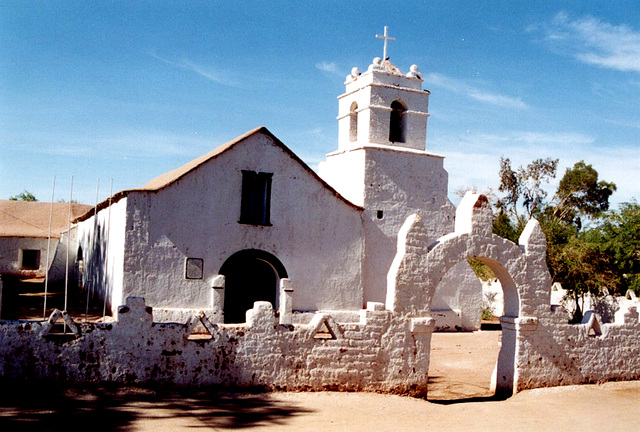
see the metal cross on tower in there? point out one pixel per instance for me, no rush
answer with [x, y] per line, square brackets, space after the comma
[386, 38]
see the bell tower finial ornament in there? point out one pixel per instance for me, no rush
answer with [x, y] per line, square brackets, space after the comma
[386, 38]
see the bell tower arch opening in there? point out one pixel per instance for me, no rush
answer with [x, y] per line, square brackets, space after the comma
[353, 122]
[397, 122]
[251, 275]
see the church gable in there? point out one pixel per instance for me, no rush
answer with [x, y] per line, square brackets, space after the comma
[250, 194]
[253, 150]
[256, 152]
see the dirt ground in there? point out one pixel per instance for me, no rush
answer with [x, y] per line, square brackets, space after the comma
[461, 364]
[459, 400]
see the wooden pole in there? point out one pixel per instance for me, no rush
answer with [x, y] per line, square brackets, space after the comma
[66, 267]
[46, 275]
[95, 235]
[106, 256]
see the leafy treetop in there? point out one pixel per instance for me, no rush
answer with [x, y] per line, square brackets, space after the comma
[24, 196]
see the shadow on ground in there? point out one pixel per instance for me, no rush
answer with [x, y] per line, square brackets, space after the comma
[113, 408]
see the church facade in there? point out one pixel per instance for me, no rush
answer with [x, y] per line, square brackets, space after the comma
[250, 221]
[300, 281]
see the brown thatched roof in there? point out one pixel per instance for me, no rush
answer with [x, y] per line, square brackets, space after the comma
[171, 177]
[31, 219]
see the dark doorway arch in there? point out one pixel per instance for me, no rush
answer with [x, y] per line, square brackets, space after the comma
[250, 275]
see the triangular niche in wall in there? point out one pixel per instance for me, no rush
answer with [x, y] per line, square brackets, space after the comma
[323, 326]
[67, 330]
[324, 331]
[199, 328]
[593, 326]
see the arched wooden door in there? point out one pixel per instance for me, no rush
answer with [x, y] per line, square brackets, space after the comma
[250, 275]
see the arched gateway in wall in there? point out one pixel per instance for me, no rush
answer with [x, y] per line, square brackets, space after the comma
[522, 270]
[251, 275]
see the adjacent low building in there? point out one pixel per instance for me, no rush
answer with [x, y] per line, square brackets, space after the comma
[30, 241]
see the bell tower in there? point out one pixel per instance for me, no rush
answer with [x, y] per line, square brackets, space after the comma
[381, 163]
[384, 107]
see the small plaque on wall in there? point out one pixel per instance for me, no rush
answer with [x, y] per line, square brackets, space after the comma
[194, 268]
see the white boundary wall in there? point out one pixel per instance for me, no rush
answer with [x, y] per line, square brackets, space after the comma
[386, 350]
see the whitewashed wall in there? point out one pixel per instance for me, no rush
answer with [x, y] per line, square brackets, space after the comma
[386, 349]
[552, 352]
[399, 182]
[374, 91]
[377, 353]
[9, 250]
[314, 233]
[457, 301]
[493, 298]
[102, 240]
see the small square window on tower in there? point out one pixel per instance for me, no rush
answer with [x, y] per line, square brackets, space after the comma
[256, 198]
[29, 259]
[194, 268]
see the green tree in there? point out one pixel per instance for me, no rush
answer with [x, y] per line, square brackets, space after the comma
[522, 188]
[581, 194]
[582, 267]
[576, 257]
[24, 196]
[619, 236]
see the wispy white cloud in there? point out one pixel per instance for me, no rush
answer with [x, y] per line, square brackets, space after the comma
[541, 140]
[329, 67]
[117, 145]
[618, 122]
[215, 75]
[462, 87]
[474, 160]
[593, 41]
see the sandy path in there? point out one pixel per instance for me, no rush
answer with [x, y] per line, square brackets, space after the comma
[461, 364]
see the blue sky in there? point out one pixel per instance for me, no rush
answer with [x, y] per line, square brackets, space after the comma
[127, 90]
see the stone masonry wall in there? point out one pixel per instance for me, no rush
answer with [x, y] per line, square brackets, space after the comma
[386, 350]
[557, 353]
[539, 346]
[379, 353]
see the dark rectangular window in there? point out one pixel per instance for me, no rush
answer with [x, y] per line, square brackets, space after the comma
[256, 198]
[29, 259]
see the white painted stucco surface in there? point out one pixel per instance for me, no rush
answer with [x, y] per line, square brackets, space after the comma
[373, 91]
[102, 240]
[397, 182]
[10, 249]
[386, 349]
[457, 300]
[316, 235]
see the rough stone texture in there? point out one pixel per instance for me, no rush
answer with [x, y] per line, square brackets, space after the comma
[379, 353]
[379, 349]
[558, 353]
[539, 347]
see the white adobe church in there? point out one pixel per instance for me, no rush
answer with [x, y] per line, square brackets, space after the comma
[307, 281]
[251, 221]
